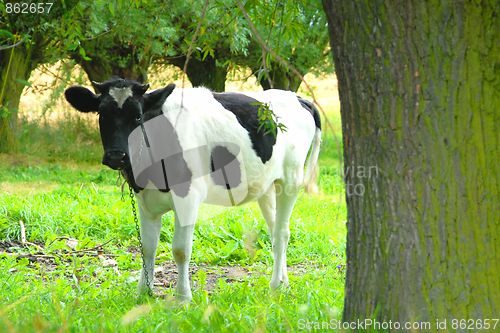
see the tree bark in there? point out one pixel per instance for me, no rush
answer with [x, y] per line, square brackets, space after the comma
[100, 70]
[279, 78]
[419, 88]
[206, 73]
[15, 67]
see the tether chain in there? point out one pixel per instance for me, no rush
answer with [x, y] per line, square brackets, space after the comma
[136, 220]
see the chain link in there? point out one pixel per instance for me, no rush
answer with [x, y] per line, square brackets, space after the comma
[136, 220]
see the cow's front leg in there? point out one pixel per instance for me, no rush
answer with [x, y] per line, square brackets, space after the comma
[182, 247]
[150, 234]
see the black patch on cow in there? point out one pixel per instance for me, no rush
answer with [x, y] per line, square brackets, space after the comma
[246, 111]
[155, 100]
[225, 168]
[171, 172]
[312, 110]
[180, 175]
[129, 177]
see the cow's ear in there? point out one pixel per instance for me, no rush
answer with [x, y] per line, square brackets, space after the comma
[155, 99]
[99, 88]
[82, 99]
[140, 89]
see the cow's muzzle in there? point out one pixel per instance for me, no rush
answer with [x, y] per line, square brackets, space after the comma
[115, 159]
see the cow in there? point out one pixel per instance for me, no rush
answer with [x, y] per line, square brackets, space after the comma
[217, 149]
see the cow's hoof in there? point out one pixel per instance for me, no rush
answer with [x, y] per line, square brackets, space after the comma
[183, 295]
[184, 298]
[279, 284]
[279, 280]
[143, 290]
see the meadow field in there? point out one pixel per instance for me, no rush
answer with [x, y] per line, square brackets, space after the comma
[69, 254]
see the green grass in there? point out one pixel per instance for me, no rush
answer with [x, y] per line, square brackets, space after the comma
[72, 137]
[80, 200]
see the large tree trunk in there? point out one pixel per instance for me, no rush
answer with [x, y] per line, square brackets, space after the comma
[419, 88]
[15, 67]
[278, 77]
[206, 73]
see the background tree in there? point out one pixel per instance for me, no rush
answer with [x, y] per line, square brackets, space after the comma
[122, 38]
[222, 36]
[27, 40]
[102, 36]
[419, 89]
[296, 31]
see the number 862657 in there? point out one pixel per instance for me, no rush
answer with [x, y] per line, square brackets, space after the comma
[28, 8]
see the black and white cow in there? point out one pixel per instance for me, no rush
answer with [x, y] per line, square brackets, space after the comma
[212, 151]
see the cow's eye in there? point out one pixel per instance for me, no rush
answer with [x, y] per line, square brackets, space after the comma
[138, 119]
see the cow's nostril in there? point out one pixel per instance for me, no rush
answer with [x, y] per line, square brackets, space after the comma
[114, 159]
[118, 156]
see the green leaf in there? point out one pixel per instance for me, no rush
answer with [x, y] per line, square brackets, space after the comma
[4, 112]
[5, 34]
[23, 82]
[81, 50]
[111, 8]
[229, 249]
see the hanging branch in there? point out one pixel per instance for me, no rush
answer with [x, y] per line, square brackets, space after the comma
[6, 47]
[188, 54]
[193, 40]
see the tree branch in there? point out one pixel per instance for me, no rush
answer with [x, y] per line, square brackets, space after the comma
[6, 47]
[193, 40]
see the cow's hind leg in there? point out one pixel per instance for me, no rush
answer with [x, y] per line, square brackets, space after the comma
[150, 234]
[267, 204]
[286, 195]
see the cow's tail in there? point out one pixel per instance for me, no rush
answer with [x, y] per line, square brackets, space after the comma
[312, 169]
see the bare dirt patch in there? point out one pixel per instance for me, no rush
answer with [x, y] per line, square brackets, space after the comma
[19, 251]
[15, 246]
[165, 273]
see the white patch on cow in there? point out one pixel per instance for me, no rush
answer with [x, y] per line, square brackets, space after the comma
[120, 95]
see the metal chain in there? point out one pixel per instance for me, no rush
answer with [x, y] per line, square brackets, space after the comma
[136, 220]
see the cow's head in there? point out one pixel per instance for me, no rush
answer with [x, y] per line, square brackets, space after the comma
[122, 105]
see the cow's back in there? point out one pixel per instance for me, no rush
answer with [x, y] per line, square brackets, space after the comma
[207, 128]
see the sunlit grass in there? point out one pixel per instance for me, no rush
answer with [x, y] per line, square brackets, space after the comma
[101, 303]
[79, 294]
